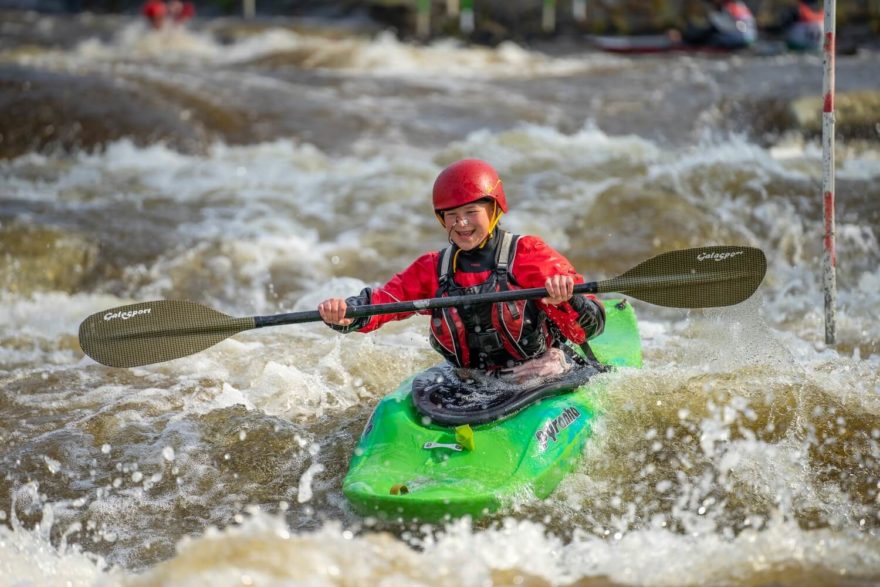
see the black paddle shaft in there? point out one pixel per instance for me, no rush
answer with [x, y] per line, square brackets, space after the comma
[691, 278]
[419, 305]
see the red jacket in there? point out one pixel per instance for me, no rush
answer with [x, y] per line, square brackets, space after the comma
[534, 262]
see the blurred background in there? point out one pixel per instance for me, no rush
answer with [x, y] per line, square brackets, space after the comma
[493, 20]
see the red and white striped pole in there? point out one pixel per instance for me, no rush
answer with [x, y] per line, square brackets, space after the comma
[829, 257]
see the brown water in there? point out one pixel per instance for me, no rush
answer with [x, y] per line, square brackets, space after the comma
[261, 169]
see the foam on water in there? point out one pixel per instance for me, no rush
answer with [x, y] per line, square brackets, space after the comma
[27, 557]
[743, 383]
[138, 42]
[263, 550]
[382, 54]
[728, 427]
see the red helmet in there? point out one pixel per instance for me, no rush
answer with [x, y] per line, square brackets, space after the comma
[467, 181]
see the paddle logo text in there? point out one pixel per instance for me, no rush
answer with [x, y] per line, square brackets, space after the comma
[716, 256]
[550, 431]
[126, 315]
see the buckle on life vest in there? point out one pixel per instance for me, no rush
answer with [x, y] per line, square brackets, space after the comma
[485, 341]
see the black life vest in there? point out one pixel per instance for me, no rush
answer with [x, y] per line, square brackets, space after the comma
[488, 336]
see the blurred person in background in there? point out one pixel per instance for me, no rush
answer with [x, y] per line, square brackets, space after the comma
[803, 25]
[155, 12]
[160, 13]
[729, 25]
[181, 12]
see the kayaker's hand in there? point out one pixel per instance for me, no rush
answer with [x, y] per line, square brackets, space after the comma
[332, 311]
[560, 288]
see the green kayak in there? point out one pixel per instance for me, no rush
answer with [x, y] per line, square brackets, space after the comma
[419, 458]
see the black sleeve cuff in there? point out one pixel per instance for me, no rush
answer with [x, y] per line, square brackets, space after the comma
[591, 314]
[362, 299]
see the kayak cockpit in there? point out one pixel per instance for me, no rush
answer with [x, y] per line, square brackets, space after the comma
[439, 394]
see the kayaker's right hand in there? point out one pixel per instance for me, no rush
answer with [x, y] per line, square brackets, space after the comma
[560, 288]
[332, 311]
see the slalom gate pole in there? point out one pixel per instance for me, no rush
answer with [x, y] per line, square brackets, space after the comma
[829, 256]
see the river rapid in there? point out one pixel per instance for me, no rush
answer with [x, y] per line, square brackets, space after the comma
[259, 168]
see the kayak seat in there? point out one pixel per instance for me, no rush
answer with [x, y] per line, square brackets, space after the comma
[442, 396]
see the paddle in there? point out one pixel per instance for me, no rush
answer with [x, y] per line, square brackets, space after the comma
[152, 332]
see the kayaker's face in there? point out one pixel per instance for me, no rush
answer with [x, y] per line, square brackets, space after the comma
[468, 225]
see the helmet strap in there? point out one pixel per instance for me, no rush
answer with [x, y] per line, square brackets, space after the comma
[496, 217]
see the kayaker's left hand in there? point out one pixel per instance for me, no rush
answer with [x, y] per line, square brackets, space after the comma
[332, 311]
[560, 288]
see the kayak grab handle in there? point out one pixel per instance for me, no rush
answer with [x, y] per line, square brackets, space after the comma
[432, 445]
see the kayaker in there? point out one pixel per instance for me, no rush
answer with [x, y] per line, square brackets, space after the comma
[804, 26]
[181, 12]
[155, 12]
[729, 25]
[518, 341]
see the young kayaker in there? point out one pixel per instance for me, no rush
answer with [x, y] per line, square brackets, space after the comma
[518, 341]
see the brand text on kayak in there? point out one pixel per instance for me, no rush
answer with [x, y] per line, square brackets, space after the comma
[551, 429]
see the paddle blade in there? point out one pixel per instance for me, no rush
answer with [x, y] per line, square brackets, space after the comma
[704, 277]
[152, 332]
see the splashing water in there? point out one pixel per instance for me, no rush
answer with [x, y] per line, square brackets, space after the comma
[267, 172]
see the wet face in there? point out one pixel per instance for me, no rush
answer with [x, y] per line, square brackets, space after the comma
[468, 225]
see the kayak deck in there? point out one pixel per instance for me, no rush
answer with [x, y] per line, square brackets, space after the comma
[442, 396]
[409, 467]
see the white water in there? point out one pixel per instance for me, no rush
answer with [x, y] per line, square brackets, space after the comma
[727, 460]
